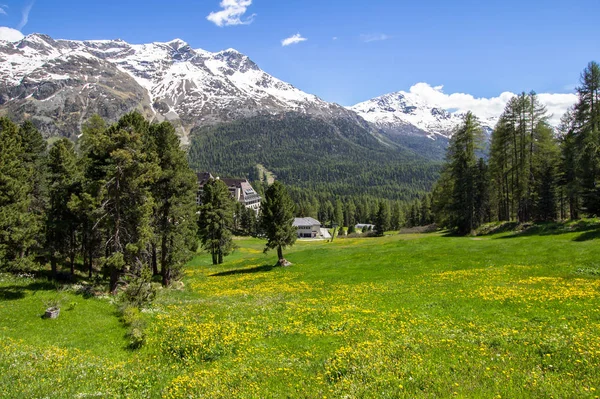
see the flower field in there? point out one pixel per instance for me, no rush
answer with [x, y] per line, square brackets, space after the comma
[399, 316]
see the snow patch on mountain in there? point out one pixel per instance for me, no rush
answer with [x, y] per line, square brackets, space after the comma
[434, 112]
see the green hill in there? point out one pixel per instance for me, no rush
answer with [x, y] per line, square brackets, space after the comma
[324, 158]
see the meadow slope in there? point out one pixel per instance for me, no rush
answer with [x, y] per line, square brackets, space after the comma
[505, 315]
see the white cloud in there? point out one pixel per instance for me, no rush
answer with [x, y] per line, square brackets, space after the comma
[3, 8]
[295, 39]
[374, 37]
[231, 13]
[10, 34]
[25, 16]
[334, 38]
[486, 108]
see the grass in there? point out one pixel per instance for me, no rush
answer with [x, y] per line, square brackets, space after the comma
[415, 315]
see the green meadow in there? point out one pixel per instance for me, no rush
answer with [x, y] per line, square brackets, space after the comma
[513, 315]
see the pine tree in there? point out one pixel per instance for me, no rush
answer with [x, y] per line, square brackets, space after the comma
[568, 177]
[216, 219]
[174, 194]
[62, 223]
[587, 137]
[382, 219]
[18, 226]
[338, 213]
[462, 168]
[34, 157]
[396, 216]
[120, 174]
[426, 217]
[277, 217]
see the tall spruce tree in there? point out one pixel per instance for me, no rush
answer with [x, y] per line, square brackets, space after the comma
[462, 165]
[277, 217]
[174, 194]
[34, 157]
[587, 137]
[18, 226]
[62, 222]
[382, 218]
[121, 173]
[216, 220]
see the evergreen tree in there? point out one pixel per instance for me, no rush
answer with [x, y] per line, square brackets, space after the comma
[396, 216]
[174, 193]
[483, 212]
[382, 219]
[18, 226]
[462, 168]
[425, 217]
[248, 221]
[62, 223]
[338, 213]
[216, 219]
[587, 137]
[120, 173]
[277, 217]
[34, 157]
[349, 213]
[569, 177]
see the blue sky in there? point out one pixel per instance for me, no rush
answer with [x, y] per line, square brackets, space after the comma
[355, 50]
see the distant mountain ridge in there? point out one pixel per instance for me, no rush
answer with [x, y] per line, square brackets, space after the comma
[61, 83]
[404, 113]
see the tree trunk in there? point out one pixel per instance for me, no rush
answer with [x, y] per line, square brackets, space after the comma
[53, 265]
[114, 279]
[90, 261]
[154, 261]
[279, 252]
[166, 276]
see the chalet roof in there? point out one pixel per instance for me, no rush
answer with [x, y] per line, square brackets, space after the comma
[306, 222]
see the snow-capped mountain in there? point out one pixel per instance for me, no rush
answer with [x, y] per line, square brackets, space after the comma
[61, 83]
[408, 113]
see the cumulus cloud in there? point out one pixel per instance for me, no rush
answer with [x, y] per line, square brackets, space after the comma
[486, 108]
[25, 15]
[295, 39]
[231, 13]
[10, 34]
[374, 37]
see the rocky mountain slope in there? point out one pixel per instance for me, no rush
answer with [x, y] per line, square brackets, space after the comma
[61, 83]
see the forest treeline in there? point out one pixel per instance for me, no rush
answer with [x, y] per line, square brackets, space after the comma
[123, 202]
[317, 160]
[533, 173]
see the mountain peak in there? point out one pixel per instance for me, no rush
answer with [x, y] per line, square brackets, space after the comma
[166, 80]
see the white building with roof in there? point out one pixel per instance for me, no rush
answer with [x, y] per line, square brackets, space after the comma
[307, 227]
[240, 190]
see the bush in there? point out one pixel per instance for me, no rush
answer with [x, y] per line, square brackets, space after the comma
[139, 292]
[136, 326]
